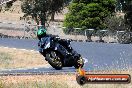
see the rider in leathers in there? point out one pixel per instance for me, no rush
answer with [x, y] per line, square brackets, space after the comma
[41, 34]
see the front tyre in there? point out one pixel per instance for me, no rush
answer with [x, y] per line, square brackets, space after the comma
[79, 62]
[54, 60]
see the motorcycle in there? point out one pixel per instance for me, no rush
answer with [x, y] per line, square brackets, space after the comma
[58, 56]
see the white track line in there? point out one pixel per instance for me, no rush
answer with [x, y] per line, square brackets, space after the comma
[34, 68]
[19, 49]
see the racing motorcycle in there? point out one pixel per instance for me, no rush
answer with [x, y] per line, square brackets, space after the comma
[58, 56]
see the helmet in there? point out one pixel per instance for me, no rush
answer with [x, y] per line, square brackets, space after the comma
[41, 32]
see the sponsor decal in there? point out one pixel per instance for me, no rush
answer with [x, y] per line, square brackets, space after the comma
[82, 77]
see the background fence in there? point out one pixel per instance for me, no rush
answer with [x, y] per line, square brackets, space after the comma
[25, 29]
[17, 30]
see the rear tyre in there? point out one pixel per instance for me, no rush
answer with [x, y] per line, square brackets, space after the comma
[79, 62]
[54, 60]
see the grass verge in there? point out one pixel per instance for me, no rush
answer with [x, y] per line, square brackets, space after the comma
[16, 58]
[54, 81]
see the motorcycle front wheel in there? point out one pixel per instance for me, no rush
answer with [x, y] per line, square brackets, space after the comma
[54, 60]
[79, 62]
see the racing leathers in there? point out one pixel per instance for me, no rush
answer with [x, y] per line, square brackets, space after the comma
[63, 42]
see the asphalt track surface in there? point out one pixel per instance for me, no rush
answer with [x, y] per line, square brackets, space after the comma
[98, 56]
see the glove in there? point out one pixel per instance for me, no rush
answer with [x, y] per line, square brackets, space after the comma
[39, 43]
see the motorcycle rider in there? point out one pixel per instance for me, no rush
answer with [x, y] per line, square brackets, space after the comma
[41, 34]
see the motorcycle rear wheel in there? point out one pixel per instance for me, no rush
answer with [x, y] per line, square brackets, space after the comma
[54, 60]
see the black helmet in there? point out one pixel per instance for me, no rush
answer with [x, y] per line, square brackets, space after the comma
[41, 32]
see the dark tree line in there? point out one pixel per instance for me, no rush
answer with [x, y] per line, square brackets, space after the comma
[40, 10]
